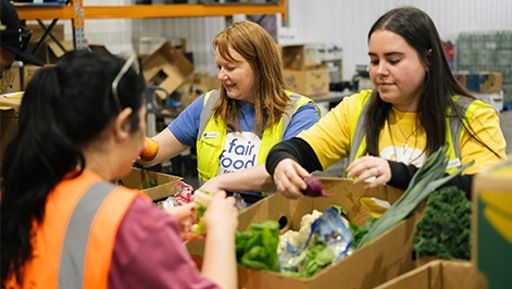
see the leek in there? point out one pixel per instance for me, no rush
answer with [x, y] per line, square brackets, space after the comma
[427, 179]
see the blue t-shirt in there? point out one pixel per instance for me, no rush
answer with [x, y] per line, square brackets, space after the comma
[240, 149]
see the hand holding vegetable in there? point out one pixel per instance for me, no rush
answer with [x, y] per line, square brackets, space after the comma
[314, 187]
[428, 178]
[186, 216]
[288, 176]
[374, 170]
[221, 215]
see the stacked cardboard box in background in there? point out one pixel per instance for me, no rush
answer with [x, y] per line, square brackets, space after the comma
[166, 67]
[487, 86]
[49, 51]
[309, 79]
[487, 51]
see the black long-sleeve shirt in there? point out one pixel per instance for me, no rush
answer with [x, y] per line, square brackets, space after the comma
[401, 174]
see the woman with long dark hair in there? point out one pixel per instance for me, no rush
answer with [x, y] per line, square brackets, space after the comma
[63, 223]
[416, 106]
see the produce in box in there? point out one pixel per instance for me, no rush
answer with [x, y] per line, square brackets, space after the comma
[444, 230]
[323, 239]
[428, 178]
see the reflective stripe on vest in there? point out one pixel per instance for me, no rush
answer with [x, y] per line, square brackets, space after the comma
[212, 134]
[72, 262]
[81, 211]
[453, 133]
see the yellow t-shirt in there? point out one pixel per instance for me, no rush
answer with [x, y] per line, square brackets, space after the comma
[330, 137]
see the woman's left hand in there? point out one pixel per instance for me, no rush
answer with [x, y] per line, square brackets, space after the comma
[368, 167]
[186, 216]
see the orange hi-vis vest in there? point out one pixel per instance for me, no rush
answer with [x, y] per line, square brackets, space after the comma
[73, 246]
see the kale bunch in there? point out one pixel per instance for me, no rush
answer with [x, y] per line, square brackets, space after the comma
[444, 230]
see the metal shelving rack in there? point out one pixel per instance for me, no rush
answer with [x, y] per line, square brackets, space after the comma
[77, 12]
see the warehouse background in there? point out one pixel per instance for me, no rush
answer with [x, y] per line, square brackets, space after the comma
[342, 23]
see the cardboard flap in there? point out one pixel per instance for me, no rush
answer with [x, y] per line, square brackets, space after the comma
[138, 179]
[57, 50]
[167, 67]
[439, 274]
[348, 195]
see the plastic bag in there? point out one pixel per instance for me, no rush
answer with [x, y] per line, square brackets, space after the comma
[329, 241]
[181, 195]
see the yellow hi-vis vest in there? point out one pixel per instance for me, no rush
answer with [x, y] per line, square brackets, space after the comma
[212, 134]
[454, 130]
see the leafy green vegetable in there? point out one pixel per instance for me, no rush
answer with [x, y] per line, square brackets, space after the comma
[151, 183]
[341, 211]
[359, 232]
[257, 248]
[201, 200]
[428, 178]
[444, 230]
[315, 258]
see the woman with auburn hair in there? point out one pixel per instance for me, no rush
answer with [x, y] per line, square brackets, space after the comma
[235, 127]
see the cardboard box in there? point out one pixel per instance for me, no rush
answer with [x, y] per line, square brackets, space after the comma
[382, 259]
[308, 82]
[439, 274]
[28, 71]
[166, 67]
[37, 32]
[50, 52]
[139, 178]
[293, 56]
[492, 224]
[493, 98]
[481, 81]
[207, 82]
[9, 111]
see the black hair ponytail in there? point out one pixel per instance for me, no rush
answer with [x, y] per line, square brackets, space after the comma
[64, 108]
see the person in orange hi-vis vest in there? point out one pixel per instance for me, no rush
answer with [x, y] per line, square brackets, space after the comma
[64, 224]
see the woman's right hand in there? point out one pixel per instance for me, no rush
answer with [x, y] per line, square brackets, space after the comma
[221, 215]
[288, 176]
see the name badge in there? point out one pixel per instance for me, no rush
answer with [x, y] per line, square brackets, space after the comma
[453, 164]
[210, 134]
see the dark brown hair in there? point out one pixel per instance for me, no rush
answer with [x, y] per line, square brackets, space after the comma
[419, 31]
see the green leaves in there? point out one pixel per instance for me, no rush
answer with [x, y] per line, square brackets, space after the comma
[428, 178]
[360, 232]
[151, 183]
[444, 230]
[313, 260]
[257, 248]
